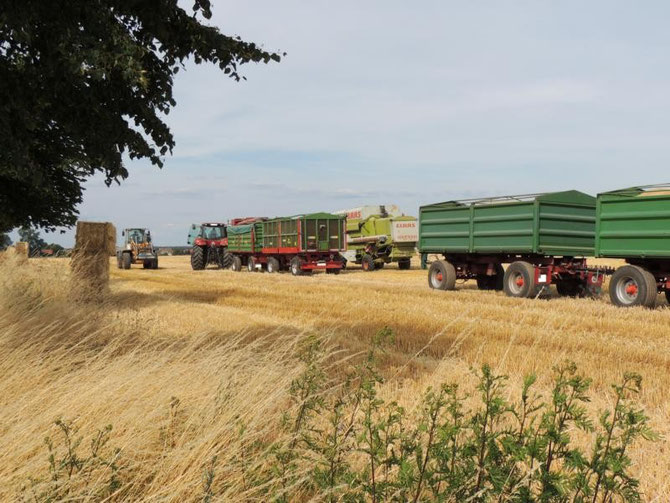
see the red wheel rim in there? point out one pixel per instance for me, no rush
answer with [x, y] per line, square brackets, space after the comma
[519, 281]
[439, 276]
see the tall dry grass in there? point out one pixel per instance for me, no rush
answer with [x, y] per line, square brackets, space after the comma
[193, 370]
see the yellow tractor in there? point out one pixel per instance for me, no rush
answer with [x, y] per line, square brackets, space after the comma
[137, 249]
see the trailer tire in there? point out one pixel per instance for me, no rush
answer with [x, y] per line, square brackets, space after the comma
[127, 260]
[442, 275]
[251, 264]
[632, 285]
[404, 264]
[296, 266]
[367, 263]
[273, 265]
[519, 280]
[494, 282]
[197, 258]
[236, 264]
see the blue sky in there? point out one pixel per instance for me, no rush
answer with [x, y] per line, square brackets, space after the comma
[407, 103]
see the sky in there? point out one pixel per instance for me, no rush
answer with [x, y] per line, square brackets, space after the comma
[407, 103]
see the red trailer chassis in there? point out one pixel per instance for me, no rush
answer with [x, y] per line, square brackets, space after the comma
[526, 276]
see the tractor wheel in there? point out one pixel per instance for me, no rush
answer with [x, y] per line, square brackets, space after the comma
[227, 260]
[367, 263]
[296, 266]
[633, 286]
[127, 260]
[147, 264]
[404, 264]
[198, 259]
[519, 280]
[273, 265]
[495, 282]
[442, 275]
[251, 264]
[236, 264]
[570, 287]
[119, 261]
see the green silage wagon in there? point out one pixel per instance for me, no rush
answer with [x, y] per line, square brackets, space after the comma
[301, 243]
[634, 224]
[544, 237]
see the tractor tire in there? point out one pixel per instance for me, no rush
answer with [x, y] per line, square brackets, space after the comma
[404, 264]
[147, 264]
[119, 261]
[442, 275]
[127, 260]
[198, 259]
[519, 280]
[367, 263]
[251, 264]
[273, 265]
[227, 260]
[296, 266]
[236, 264]
[494, 282]
[570, 287]
[633, 286]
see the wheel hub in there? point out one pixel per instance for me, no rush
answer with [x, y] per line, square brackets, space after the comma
[439, 277]
[631, 289]
[519, 281]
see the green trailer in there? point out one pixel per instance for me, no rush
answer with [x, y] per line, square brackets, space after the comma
[301, 243]
[379, 235]
[634, 224]
[544, 237]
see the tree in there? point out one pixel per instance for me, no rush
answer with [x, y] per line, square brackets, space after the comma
[33, 238]
[5, 241]
[83, 84]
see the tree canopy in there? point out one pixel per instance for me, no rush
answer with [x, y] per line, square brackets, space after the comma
[84, 83]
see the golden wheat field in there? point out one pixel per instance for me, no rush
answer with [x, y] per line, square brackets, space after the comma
[192, 368]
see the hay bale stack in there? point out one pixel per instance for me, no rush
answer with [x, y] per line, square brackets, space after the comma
[22, 250]
[94, 243]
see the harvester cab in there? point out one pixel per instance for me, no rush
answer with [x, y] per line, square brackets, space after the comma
[379, 235]
[137, 248]
[209, 245]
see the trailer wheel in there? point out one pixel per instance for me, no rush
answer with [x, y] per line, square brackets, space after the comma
[570, 287]
[633, 286]
[251, 264]
[197, 258]
[236, 264]
[519, 280]
[442, 275]
[273, 265]
[404, 264]
[367, 263]
[296, 266]
[494, 282]
[127, 260]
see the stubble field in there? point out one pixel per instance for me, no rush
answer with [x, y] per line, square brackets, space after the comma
[175, 336]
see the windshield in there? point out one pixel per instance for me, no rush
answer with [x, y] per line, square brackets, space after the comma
[137, 236]
[213, 232]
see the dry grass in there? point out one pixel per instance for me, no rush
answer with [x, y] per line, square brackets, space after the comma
[203, 338]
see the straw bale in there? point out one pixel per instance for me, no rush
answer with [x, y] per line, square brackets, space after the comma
[94, 243]
[22, 249]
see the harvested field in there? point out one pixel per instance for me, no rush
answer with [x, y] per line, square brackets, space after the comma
[166, 333]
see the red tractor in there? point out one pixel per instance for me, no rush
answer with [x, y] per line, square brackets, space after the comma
[210, 246]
